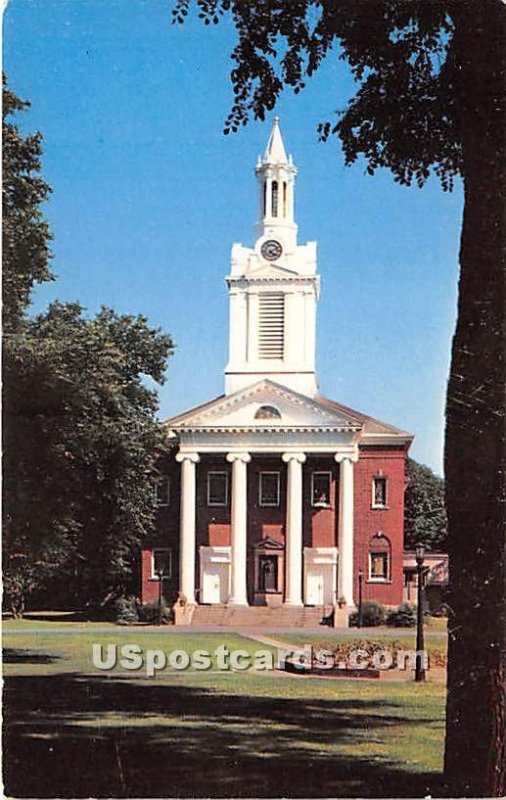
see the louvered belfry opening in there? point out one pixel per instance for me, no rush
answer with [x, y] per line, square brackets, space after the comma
[271, 328]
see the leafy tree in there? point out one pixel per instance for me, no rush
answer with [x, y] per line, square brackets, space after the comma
[26, 234]
[80, 444]
[430, 97]
[424, 508]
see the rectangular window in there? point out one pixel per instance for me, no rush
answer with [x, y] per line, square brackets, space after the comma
[163, 492]
[379, 566]
[269, 489]
[217, 488]
[271, 325]
[320, 489]
[379, 492]
[161, 563]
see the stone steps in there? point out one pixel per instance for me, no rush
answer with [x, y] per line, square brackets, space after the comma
[258, 616]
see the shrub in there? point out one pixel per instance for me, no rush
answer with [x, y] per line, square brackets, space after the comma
[373, 614]
[402, 617]
[126, 610]
[154, 615]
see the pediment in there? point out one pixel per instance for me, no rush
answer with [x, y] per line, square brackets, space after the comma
[265, 405]
[268, 544]
[271, 271]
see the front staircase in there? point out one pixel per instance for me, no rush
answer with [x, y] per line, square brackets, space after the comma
[259, 616]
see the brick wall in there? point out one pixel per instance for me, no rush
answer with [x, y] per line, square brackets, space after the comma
[369, 521]
[320, 524]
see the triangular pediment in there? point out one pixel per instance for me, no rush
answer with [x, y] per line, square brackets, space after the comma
[272, 271]
[268, 544]
[264, 405]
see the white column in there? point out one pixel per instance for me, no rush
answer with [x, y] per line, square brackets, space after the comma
[188, 462]
[345, 536]
[239, 516]
[293, 589]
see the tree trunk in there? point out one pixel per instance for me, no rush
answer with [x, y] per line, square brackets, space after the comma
[475, 756]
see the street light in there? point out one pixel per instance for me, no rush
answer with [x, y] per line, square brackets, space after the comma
[160, 572]
[360, 620]
[420, 657]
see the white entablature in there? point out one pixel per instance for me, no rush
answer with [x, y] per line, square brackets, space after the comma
[274, 288]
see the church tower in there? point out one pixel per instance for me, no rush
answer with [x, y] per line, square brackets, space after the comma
[273, 287]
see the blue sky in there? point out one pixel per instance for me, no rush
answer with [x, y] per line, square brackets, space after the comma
[149, 196]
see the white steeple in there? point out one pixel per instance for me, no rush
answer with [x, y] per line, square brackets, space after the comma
[276, 182]
[273, 287]
[275, 151]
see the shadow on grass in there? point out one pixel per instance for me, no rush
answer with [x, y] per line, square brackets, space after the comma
[12, 656]
[62, 617]
[79, 736]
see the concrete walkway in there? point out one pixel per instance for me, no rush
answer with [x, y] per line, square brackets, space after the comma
[322, 630]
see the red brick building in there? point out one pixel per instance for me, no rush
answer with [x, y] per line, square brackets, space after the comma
[275, 495]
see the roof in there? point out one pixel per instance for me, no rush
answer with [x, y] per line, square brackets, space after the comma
[222, 412]
[370, 424]
[436, 565]
[173, 421]
[275, 152]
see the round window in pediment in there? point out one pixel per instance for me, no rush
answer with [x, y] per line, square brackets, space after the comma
[268, 412]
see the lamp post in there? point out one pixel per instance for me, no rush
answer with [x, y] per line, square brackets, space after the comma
[160, 572]
[420, 658]
[360, 620]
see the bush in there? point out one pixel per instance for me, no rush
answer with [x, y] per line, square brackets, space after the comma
[154, 615]
[126, 610]
[402, 617]
[373, 614]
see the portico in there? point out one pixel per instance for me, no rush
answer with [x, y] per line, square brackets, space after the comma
[288, 448]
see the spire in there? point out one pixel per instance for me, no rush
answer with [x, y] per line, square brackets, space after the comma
[276, 173]
[275, 152]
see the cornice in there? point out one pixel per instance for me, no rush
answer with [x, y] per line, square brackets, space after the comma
[273, 430]
[260, 279]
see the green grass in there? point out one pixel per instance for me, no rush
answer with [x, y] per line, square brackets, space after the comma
[437, 624]
[72, 730]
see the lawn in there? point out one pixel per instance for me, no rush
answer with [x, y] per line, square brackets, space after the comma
[72, 730]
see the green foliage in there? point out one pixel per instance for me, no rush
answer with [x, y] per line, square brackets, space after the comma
[402, 617]
[26, 235]
[424, 508]
[403, 114]
[80, 443]
[126, 610]
[373, 614]
[153, 614]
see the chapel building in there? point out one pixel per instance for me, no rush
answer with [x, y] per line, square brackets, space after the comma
[275, 495]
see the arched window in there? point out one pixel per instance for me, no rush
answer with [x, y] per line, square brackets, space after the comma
[285, 196]
[380, 557]
[268, 412]
[274, 198]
